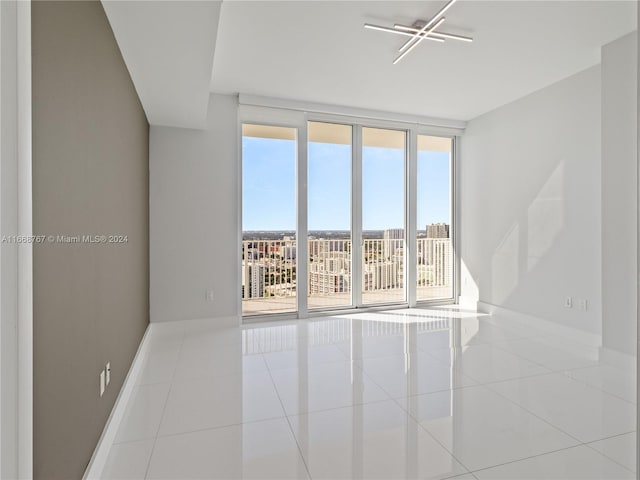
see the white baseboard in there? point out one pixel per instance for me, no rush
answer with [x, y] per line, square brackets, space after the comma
[468, 303]
[553, 328]
[617, 358]
[101, 452]
[221, 321]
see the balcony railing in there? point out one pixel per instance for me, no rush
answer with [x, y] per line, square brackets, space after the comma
[269, 272]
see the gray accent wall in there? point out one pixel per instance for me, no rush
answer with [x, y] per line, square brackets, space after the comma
[90, 177]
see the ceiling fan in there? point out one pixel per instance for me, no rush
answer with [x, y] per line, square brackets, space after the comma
[421, 30]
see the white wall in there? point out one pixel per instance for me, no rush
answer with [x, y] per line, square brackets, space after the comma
[194, 217]
[619, 193]
[530, 204]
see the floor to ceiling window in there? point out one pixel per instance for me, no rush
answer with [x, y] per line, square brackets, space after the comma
[268, 219]
[383, 215]
[329, 214]
[344, 215]
[434, 252]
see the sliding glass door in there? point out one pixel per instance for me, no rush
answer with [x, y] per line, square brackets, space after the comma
[326, 211]
[434, 219]
[269, 257]
[329, 215]
[383, 216]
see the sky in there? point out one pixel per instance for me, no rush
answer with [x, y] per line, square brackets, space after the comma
[269, 186]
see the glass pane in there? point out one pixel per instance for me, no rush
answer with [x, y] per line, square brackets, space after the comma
[383, 214]
[329, 215]
[268, 219]
[434, 249]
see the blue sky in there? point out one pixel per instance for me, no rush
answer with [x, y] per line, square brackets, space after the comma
[269, 201]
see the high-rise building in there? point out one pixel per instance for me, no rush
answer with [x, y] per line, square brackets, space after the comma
[442, 264]
[253, 279]
[438, 230]
[393, 239]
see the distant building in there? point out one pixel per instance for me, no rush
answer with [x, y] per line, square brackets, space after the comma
[253, 279]
[393, 240]
[438, 230]
[442, 263]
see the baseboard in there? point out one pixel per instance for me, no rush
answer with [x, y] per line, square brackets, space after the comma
[468, 303]
[617, 358]
[222, 321]
[99, 458]
[553, 328]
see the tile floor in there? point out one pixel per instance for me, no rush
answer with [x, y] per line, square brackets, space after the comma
[420, 393]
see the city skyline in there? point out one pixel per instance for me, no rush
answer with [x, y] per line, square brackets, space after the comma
[271, 206]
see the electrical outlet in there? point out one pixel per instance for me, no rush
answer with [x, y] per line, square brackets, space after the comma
[582, 304]
[108, 370]
[102, 382]
[568, 302]
[209, 295]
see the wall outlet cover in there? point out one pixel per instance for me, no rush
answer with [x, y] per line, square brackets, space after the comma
[102, 382]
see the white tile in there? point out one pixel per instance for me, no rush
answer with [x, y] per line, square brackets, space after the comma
[213, 336]
[377, 440]
[613, 380]
[128, 461]
[486, 363]
[481, 429]
[201, 360]
[157, 344]
[325, 386]
[257, 450]
[223, 416]
[143, 413]
[580, 410]
[434, 340]
[578, 463]
[508, 323]
[304, 354]
[158, 365]
[476, 331]
[554, 353]
[325, 331]
[621, 449]
[219, 326]
[376, 346]
[221, 401]
[404, 375]
[167, 329]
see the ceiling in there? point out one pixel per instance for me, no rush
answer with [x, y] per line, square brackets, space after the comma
[168, 47]
[178, 51]
[318, 51]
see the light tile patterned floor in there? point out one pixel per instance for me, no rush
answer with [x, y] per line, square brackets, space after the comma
[420, 393]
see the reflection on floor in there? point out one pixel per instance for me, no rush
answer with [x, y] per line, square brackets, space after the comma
[417, 393]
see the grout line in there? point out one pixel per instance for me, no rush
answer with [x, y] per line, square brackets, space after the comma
[295, 439]
[359, 363]
[555, 427]
[590, 445]
[219, 427]
[341, 407]
[526, 458]
[424, 429]
[164, 408]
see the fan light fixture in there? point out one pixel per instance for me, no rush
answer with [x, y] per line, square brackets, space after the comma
[420, 31]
